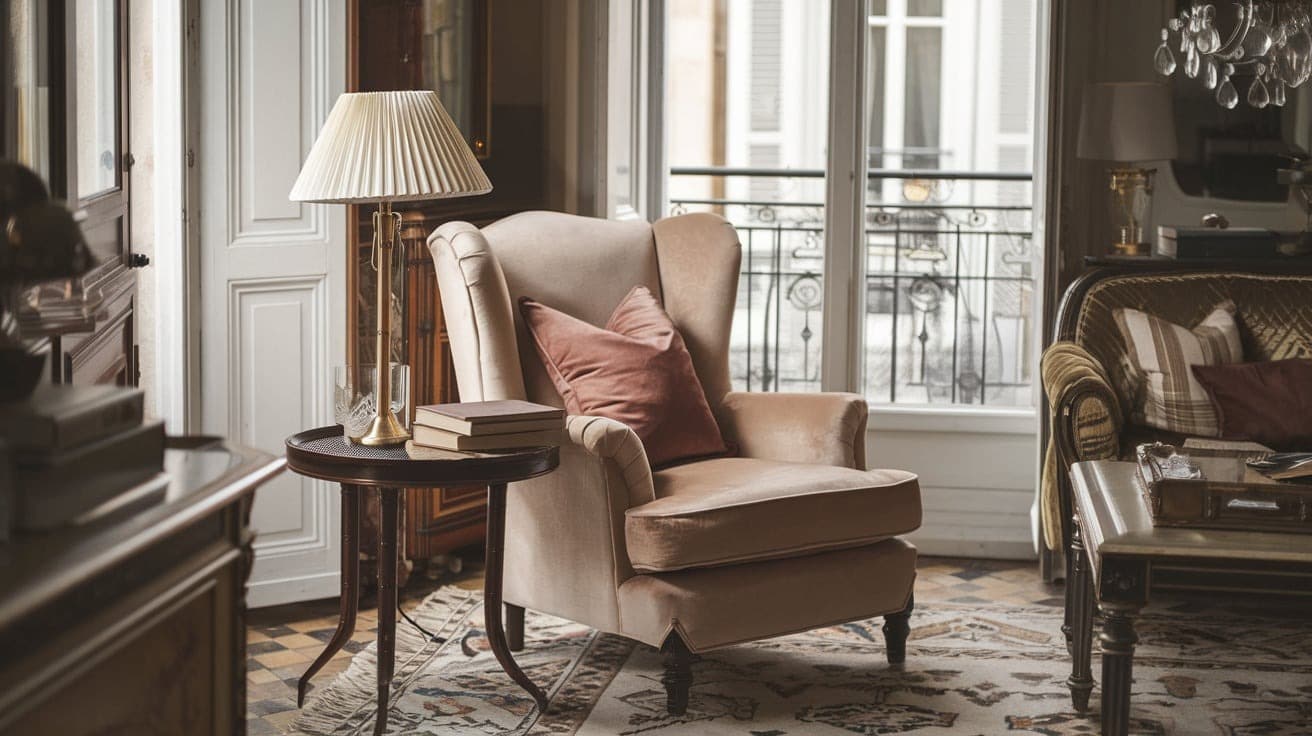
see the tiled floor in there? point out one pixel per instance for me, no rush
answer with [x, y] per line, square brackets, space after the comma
[282, 641]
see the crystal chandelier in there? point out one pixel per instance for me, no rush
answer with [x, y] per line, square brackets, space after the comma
[1271, 41]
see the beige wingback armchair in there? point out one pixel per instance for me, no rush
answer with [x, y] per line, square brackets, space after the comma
[789, 534]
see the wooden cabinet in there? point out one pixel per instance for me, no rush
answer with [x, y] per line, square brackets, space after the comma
[484, 58]
[64, 114]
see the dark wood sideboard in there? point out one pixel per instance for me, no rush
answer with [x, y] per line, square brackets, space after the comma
[135, 623]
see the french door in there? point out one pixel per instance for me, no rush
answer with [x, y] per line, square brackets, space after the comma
[876, 159]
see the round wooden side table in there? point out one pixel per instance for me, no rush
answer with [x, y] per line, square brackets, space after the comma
[325, 454]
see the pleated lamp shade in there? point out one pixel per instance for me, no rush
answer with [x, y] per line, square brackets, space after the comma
[389, 147]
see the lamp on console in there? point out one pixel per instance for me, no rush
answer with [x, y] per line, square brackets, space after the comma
[382, 148]
[1128, 123]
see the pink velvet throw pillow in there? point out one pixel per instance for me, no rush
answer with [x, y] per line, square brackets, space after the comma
[636, 370]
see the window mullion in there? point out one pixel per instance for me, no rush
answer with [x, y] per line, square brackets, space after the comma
[845, 198]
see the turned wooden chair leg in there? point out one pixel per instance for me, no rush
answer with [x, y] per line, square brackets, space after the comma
[896, 628]
[678, 674]
[515, 627]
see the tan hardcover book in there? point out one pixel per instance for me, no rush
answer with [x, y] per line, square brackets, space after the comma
[437, 421]
[442, 439]
[463, 417]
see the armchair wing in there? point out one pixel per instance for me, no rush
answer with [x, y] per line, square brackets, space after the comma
[821, 428]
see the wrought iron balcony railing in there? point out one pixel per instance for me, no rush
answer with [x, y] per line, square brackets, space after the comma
[949, 275]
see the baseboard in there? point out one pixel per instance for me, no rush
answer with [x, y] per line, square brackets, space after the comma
[930, 546]
[293, 590]
[990, 523]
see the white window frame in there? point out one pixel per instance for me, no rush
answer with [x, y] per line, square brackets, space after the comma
[843, 343]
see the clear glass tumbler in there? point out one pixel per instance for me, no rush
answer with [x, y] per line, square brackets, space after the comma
[355, 401]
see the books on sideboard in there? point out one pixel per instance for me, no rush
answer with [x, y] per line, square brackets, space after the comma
[62, 416]
[73, 451]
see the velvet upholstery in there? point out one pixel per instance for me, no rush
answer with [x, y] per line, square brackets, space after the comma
[738, 509]
[636, 370]
[826, 428]
[714, 607]
[566, 548]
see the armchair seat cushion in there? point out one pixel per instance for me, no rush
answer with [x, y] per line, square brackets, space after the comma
[730, 510]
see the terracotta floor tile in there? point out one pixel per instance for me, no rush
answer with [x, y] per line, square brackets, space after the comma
[280, 659]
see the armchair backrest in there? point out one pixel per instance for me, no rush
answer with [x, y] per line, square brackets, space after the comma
[582, 266]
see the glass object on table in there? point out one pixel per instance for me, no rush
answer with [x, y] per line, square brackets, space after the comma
[355, 401]
[96, 96]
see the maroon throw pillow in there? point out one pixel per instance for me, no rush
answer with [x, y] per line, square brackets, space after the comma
[1270, 402]
[636, 370]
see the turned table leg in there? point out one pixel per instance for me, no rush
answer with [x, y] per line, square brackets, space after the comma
[1079, 610]
[1117, 640]
[492, 578]
[389, 502]
[350, 588]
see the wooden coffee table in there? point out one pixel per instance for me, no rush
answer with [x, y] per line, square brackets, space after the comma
[323, 453]
[1118, 557]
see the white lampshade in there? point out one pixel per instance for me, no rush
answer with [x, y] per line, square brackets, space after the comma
[389, 147]
[1127, 122]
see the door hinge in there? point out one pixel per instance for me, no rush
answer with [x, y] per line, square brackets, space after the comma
[191, 158]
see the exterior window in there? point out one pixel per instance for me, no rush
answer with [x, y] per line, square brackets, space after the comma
[946, 309]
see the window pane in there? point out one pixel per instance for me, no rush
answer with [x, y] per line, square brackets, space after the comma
[925, 7]
[923, 98]
[747, 90]
[24, 98]
[875, 68]
[950, 264]
[96, 79]
[879, 7]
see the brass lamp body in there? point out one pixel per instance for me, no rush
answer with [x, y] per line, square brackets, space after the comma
[1131, 192]
[384, 430]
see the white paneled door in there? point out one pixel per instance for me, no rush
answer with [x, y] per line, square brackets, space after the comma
[272, 270]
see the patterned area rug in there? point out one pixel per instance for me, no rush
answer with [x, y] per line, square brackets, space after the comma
[978, 669]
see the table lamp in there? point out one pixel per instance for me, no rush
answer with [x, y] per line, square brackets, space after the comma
[381, 148]
[1128, 123]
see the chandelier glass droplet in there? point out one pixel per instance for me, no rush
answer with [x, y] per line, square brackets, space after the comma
[1271, 43]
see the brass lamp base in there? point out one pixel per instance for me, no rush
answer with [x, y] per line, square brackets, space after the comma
[384, 430]
[1130, 249]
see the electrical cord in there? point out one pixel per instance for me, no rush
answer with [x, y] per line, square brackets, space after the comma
[431, 636]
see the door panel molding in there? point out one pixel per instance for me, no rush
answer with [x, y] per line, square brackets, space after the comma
[272, 275]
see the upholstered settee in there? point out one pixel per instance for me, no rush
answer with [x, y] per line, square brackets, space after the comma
[1090, 389]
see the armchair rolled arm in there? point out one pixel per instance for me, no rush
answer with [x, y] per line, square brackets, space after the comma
[820, 428]
[1086, 412]
[1086, 424]
[618, 446]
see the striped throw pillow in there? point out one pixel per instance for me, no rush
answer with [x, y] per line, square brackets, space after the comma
[1160, 353]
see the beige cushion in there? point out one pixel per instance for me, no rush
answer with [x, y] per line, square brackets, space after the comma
[718, 606]
[737, 509]
[1160, 354]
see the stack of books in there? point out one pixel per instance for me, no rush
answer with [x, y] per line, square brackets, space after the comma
[76, 451]
[486, 426]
